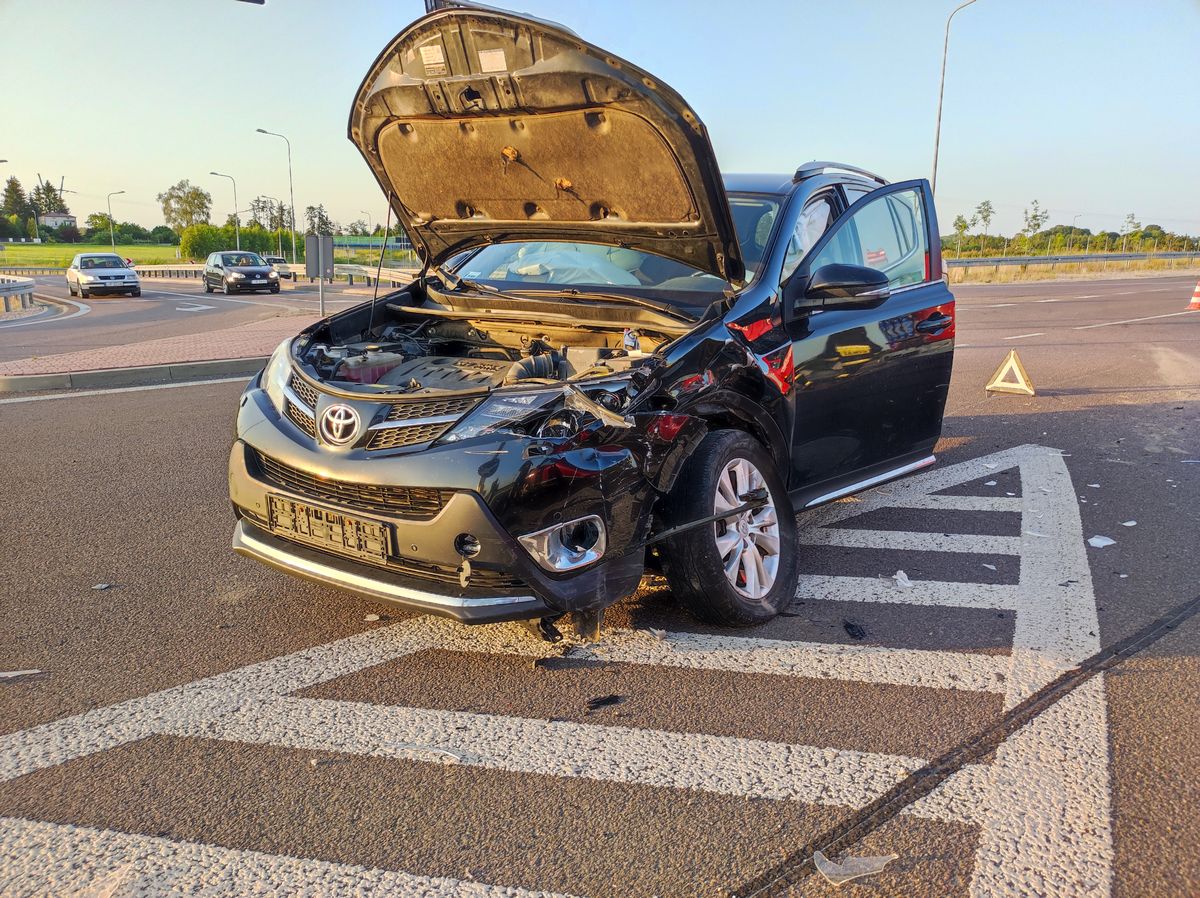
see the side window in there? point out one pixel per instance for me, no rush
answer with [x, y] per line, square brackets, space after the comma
[810, 225]
[887, 234]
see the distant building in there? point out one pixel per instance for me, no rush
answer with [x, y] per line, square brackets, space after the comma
[56, 220]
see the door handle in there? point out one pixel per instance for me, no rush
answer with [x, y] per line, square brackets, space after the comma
[934, 323]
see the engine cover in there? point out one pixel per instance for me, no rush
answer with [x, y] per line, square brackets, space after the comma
[448, 373]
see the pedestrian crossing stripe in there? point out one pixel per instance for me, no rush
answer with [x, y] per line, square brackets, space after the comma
[1011, 367]
[1041, 807]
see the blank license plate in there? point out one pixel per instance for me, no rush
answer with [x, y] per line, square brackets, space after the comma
[263, 281]
[332, 530]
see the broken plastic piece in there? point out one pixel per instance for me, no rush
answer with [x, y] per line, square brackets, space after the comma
[853, 630]
[657, 634]
[990, 567]
[371, 618]
[14, 674]
[901, 580]
[1129, 523]
[850, 867]
[1094, 486]
[603, 701]
[102, 586]
[1099, 542]
[990, 483]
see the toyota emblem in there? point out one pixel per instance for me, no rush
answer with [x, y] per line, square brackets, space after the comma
[339, 424]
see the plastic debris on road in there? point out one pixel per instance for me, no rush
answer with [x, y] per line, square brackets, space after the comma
[990, 567]
[1094, 486]
[1129, 523]
[603, 701]
[657, 634]
[371, 618]
[901, 580]
[103, 586]
[850, 867]
[16, 674]
[1099, 542]
[854, 630]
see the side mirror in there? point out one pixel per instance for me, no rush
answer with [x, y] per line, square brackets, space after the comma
[838, 286]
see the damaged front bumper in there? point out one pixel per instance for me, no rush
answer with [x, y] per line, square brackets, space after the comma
[488, 493]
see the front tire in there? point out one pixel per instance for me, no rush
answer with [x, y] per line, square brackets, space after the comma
[227, 289]
[83, 294]
[207, 286]
[137, 292]
[71, 289]
[742, 570]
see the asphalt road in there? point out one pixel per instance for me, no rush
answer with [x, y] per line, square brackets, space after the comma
[208, 726]
[166, 308]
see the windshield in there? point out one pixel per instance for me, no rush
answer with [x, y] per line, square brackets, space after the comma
[241, 260]
[101, 262]
[595, 265]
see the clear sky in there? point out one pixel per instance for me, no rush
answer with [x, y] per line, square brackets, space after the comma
[1090, 106]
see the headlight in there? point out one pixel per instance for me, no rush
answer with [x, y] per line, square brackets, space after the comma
[87, 278]
[565, 547]
[275, 375]
[236, 275]
[273, 274]
[503, 413]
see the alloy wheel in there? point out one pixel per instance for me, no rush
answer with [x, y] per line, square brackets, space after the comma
[747, 541]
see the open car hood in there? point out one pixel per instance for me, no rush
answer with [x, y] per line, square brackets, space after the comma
[485, 126]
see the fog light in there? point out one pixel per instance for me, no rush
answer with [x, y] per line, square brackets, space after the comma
[466, 545]
[565, 547]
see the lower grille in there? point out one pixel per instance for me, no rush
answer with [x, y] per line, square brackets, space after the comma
[419, 503]
[395, 437]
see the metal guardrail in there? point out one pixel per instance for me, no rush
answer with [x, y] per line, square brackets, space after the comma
[366, 273]
[1068, 259]
[16, 293]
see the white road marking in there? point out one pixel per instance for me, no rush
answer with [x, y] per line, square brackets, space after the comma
[80, 309]
[1089, 296]
[192, 307]
[1045, 300]
[960, 503]
[17, 400]
[1042, 807]
[1087, 327]
[88, 863]
[909, 541]
[1023, 336]
[723, 765]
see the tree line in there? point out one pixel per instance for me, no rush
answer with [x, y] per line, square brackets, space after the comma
[972, 239]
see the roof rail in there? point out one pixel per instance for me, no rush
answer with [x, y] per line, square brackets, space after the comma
[808, 169]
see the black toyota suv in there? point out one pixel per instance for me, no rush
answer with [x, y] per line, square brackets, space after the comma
[614, 358]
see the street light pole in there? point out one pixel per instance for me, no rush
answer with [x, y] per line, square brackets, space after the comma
[111, 235]
[1071, 239]
[237, 228]
[291, 189]
[937, 132]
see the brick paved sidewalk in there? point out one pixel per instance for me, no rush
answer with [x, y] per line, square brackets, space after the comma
[251, 340]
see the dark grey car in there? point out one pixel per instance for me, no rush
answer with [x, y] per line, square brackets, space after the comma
[239, 272]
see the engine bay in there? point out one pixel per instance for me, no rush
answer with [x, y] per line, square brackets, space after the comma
[409, 352]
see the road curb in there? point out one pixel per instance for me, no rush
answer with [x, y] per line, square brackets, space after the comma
[131, 377]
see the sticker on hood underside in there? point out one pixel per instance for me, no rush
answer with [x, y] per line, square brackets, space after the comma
[434, 60]
[492, 60]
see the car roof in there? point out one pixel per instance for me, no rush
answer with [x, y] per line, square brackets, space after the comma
[100, 255]
[783, 184]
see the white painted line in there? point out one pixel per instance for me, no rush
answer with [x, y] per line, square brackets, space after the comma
[108, 390]
[960, 503]
[907, 541]
[55, 859]
[92, 731]
[989, 596]
[1089, 296]
[724, 765]
[1086, 327]
[1023, 336]
[80, 309]
[192, 307]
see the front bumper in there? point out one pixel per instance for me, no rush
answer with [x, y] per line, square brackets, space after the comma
[111, 287]
[275, 458]
[344, 573]
[247, 287]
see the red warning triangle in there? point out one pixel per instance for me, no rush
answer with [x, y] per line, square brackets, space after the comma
[1011, 377]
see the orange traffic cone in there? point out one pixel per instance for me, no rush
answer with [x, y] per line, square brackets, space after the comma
[1194, 305]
